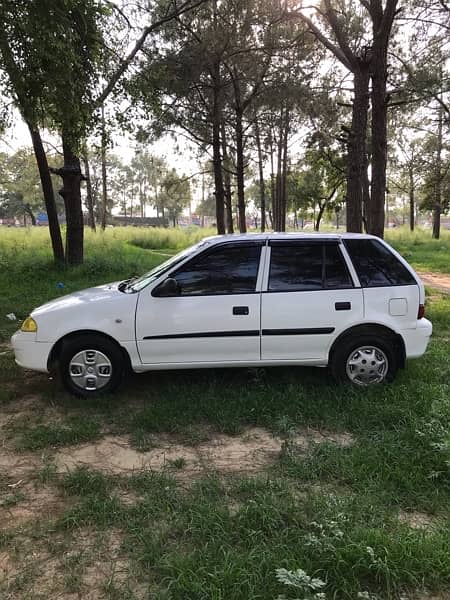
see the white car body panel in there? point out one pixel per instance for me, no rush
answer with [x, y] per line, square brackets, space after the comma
[172, 327]
[103, 308]
[303, 311]
[128, 318]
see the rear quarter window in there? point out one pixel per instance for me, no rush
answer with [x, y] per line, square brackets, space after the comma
[375, 264]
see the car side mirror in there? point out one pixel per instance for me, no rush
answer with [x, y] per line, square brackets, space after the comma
[169, 287]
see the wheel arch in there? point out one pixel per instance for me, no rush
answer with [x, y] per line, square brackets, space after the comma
[55, 352]
[373, 329]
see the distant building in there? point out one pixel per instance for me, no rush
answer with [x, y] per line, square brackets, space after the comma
[139, 221]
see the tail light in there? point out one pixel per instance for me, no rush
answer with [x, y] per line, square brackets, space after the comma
[421, 313]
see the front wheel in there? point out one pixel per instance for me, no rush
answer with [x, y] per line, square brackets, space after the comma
[364, 361]
[91, 365]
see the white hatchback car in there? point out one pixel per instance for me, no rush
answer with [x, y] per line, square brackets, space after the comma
[348, 301]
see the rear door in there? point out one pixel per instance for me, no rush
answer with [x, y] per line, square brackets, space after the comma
[391, 292]
[215, 318]
[308, 299]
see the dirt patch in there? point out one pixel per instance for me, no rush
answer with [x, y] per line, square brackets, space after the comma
[417, 520]
[114, 454]
[428, 596]
[251, 451]
[26, 409]
[19, 465]
[85, 567]
[33, 503]
[440, 281]
[308, 437]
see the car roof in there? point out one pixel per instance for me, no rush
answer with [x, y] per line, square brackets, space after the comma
[236, 237]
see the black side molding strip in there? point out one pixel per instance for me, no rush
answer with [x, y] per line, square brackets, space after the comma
[205, 334]
[308, 331]
[243, 333]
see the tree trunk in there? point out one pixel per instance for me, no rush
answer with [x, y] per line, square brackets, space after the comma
[227, 181]
[412, 207]
[382, 25]
[49, 197]
[437, 192]
[277, 209]
[29, 212]
[104, 183]
[240, 172]
[217, 161]
[319, 215]
[283, 186]
[89, 193]
[366, 192]
[141, 199]
[71, 193]
[357, 149]
[272, 184]
[262, 187]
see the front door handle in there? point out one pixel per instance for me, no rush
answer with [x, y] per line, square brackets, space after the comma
[240, 310]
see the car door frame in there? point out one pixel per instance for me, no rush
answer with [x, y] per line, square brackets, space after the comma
[262, 243]
[356, 320]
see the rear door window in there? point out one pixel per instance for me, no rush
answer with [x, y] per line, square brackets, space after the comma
[375, 265]
[307, 267]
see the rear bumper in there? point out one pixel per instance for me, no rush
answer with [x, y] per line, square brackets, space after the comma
[29, 353]
[416, 340]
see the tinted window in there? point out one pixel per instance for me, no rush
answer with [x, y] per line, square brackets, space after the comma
[336, 272]
[375, 265]
[224, 270]
[307, 267]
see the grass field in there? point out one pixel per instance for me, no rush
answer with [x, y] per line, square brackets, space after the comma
[199, 485]
[421, 250]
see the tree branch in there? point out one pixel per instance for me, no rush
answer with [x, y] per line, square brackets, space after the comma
[339, 54]
[185, 7]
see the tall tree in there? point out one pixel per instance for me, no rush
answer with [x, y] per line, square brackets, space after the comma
[366, 58]
[17, 61]
[53, 52]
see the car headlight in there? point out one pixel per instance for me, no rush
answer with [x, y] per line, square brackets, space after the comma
[29, 325]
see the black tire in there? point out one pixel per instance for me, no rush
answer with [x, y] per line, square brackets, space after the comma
[103, 356]
[372, 370]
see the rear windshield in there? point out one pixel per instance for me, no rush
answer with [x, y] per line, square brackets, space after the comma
[375, 265]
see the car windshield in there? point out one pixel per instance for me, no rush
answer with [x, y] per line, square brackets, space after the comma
[135, 285]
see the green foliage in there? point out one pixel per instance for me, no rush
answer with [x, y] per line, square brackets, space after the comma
[20, 186]
[52, 53]
[318, 181]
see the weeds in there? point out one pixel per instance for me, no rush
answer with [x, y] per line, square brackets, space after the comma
[77, 429]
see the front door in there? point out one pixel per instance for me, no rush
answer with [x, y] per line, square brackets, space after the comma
[310, 298]
[215, 318]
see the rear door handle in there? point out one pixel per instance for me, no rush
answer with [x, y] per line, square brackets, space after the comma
[240, 310]
[342, 305]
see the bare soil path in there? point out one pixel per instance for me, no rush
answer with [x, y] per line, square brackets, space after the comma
[439, 281]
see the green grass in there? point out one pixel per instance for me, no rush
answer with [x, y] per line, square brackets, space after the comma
[332, 511]
[74, 430]
[423, 252]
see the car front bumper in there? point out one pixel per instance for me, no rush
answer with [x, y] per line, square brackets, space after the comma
[416, 340]
[29, 353]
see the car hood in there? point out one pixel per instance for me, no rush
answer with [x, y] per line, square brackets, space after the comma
[100, 293]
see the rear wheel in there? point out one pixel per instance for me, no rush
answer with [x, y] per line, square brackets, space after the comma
[91, 365]
[364, 360]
